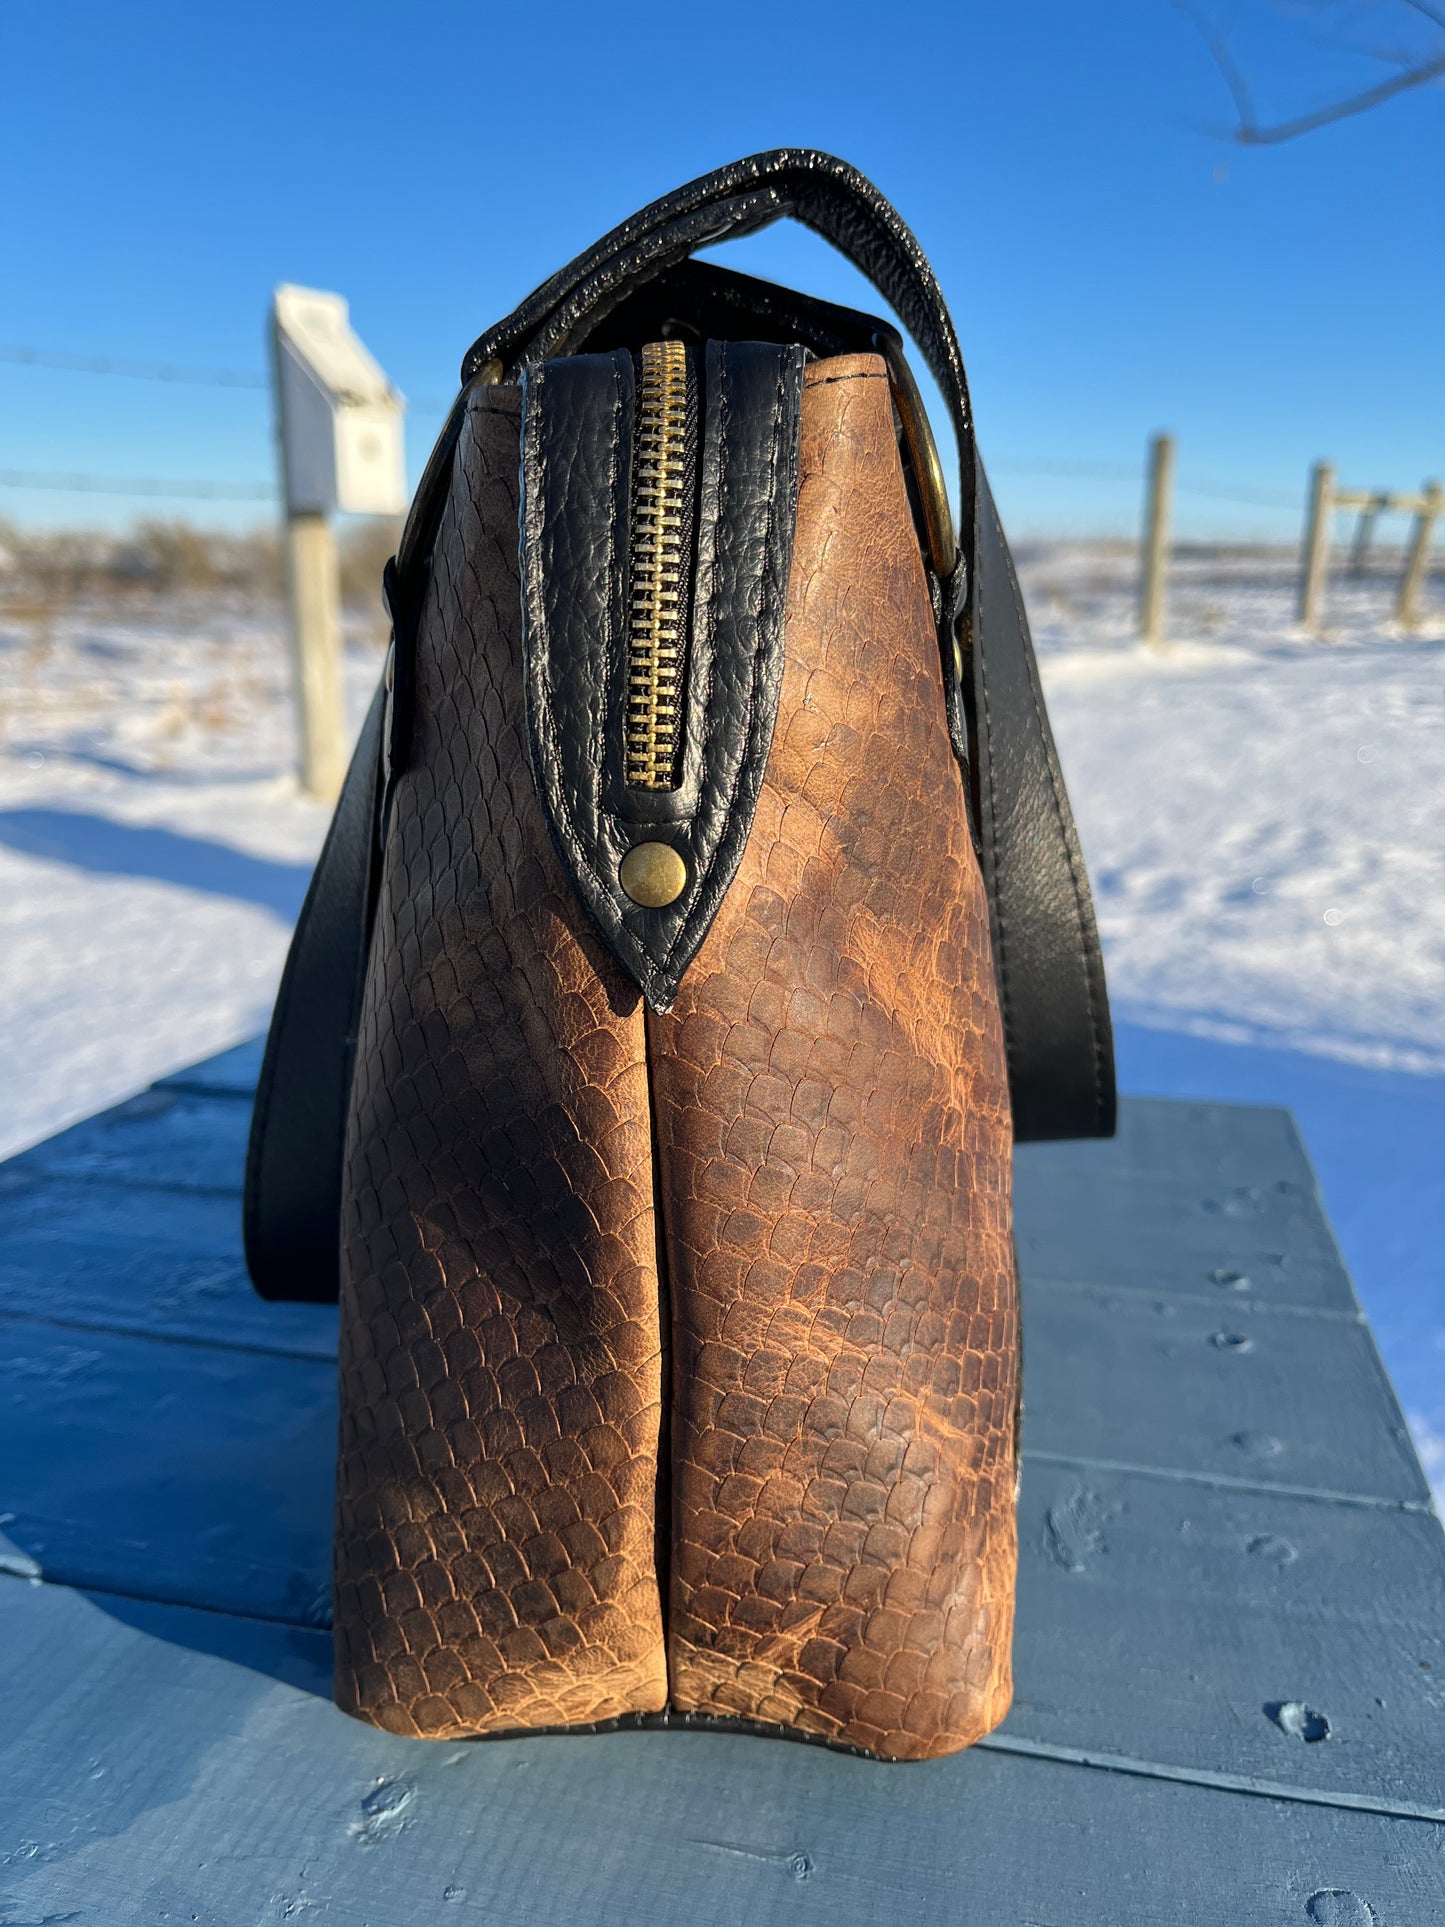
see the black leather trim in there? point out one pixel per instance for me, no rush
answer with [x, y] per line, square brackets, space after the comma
[291, 1204]
[703, 302]
[577, 422]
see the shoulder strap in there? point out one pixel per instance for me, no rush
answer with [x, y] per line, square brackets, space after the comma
[1046, 943]
[292, 1200]
[1046, 946]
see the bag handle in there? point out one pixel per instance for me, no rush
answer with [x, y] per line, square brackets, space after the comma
[819, 191]
[815, 189]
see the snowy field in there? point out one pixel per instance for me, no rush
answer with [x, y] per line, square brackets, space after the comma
[1264, 818]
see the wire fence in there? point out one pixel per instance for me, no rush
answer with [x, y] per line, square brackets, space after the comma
[139, 485]
[256, 380]
[134, 370]
[192, 377]
[1157, 540]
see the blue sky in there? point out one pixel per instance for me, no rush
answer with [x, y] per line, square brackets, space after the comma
[1113, 263]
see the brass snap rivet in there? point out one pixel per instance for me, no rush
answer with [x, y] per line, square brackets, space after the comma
[958, 661]
[653, 875]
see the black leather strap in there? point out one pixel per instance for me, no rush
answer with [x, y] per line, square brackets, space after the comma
[292, 1203]
[1046, 945]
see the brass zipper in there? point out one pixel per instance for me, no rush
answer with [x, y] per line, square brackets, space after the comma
[657, 617]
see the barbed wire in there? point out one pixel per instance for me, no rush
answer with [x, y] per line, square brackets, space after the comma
[254, 380]
[134, 370]
[139, 485]
[264, 492]
[193, 377]
[1256, 498]
[1133, 472]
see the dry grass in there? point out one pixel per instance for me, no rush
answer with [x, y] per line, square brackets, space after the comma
[45, 571]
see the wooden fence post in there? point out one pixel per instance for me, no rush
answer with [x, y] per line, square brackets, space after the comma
[313, 588]
[1315, 560]
[1158, 501]
[339, 433]
[1432, 502]
[313, 584]
[1365, 533]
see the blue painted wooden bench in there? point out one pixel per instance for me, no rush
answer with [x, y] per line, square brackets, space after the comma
[1230, 1663]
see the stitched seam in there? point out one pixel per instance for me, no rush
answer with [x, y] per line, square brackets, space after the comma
[608, 639]
[1005, 1002]
[749, 745]
[558, 787]
[1073, 861]
[709, 713]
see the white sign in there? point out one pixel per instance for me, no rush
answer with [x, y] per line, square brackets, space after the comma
[340, 419]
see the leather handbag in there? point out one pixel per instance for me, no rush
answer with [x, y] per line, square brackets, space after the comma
[701, 923]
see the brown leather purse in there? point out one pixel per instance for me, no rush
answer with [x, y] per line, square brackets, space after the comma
[701, 922]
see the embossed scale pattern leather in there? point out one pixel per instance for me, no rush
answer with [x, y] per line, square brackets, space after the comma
[834, 1149]
[500, 1333]
[832, 1184]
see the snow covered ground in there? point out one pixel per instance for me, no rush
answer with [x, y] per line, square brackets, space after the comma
[1264, 817]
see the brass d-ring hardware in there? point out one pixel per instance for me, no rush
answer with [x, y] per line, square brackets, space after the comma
[923, 453]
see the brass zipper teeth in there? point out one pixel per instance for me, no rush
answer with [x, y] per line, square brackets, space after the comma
[657, 615]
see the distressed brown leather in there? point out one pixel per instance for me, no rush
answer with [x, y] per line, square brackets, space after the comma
[501, 1379]
[829, 1192]
[834, 1157]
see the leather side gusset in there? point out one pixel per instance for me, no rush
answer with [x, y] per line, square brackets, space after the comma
[832, 1134]
[576, 467]
[500, 1336]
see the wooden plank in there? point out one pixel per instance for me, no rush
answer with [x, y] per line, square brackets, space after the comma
[146, 1778]
[1224, 1391]
[124, 1259]
[172, 1471]
[1186, 1600]
[221, 1445]
[1122, 1212]
[1117, 1232]
[1169, 1137]
[233, 1072]
[1173, 1622]
[164, 1139]
[1197, 1198]
[1190, 1197]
